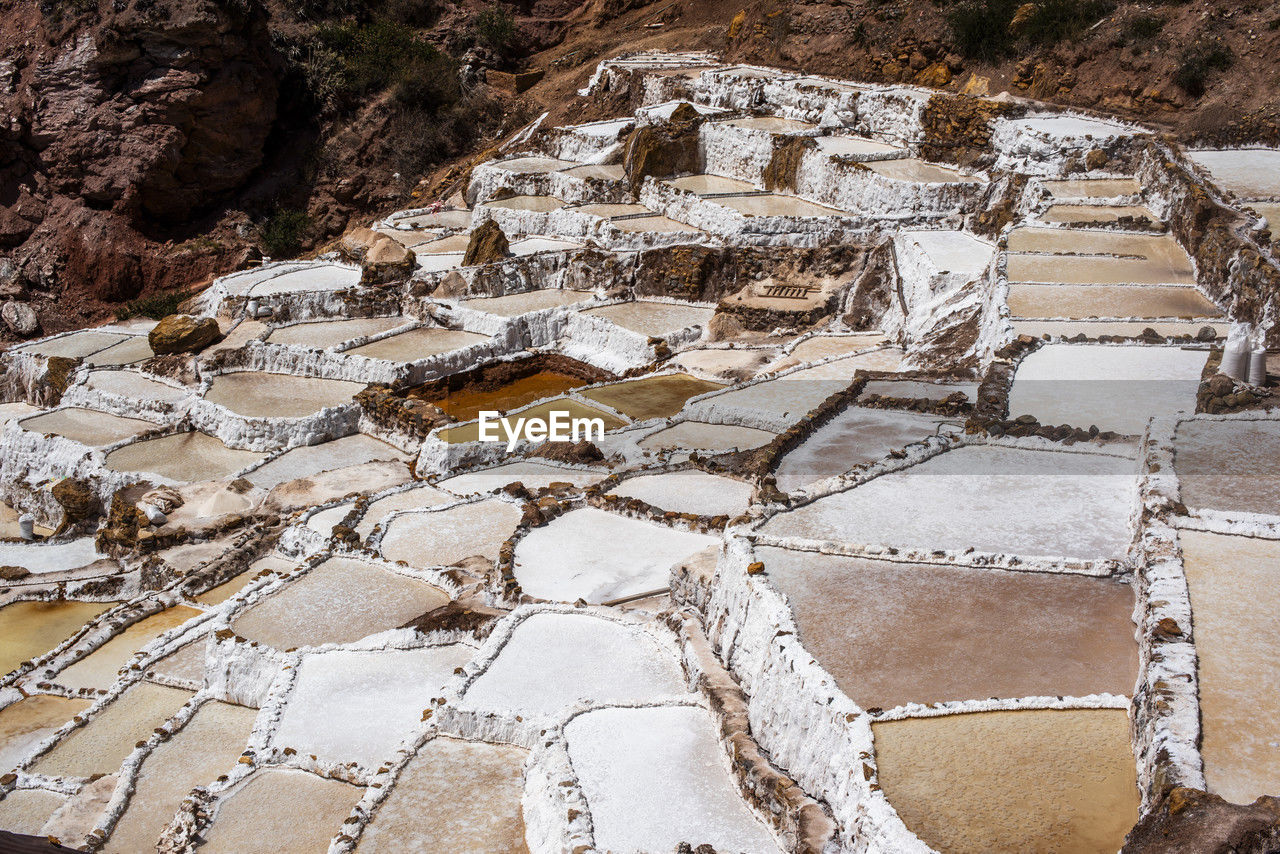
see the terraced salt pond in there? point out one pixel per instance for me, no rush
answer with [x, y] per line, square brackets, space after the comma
[1095, 328]
[77, 345]
[918, 171]
[261, 395]
[514, 305]
[651, 397]
[417, 344]
[308, 461]
[1092, 188]
[823, 346]
[703, 436]
[87, 426]
[597, 556]
[339, 601]
[652, 223]
[323, 334]
[1232, 584]
[711, 185]
[1085, 301]
[777, 204]
[205, 748]
[183, 457]
[30, 629]
[50, 557]
[897, 633]
[856, 437]
[656, 777]
[533, 474]
[133, 349]
[551, 661]
[135, 385]
[990, 498]
[1251, 173]
[688, 491]
[99, 746]
[31, 720]
[465, 404]
[444, 537]
[416, 498]
[564, 407]
[1230, 465]
[312, 277]
[248, 820]
[26, 810]
[1012, 781]
[1098, 214]
[1114, 387]
[349, 706]
[453, 796]
[99, 668]
[653, 318]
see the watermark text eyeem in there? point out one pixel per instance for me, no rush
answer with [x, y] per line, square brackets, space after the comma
[558, 426]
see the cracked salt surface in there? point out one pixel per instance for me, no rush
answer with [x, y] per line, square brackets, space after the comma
[656, 777]
[994, 499]
[598, 556]
[552, 661]
[689, 492]
[351, 706]
[249, 821]
[444, 537]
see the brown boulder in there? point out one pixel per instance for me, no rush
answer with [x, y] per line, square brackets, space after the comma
[387, 261]
[1189, 821]
[20, 318]
[488, 244]
[665, 149]
[78, 501]
[183, 333]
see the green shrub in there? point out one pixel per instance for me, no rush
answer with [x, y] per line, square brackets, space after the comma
[980, 28]
[1200, 60]
[156, 307]
[495, 28]
[1058, 20]
[1143, 27]
[281, 234]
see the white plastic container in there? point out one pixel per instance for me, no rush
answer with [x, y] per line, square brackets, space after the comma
[27, 526]
[1258, 367]
[1235, 360]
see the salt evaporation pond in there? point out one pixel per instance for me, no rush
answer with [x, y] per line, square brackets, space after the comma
[531, 473]
[1250, 173]
[650, 397]
[30, 629]
[261, 395]
[920, 172]
[895, 633]
[653, 318]
[310, 460]
[711, 185]
[1099, 214]
[465, 404]
[339, 601]
[918, 389]
[87, 426]
[598, 556]
[444, 537]
[853, 146]
[184, 457]
[552, 661]
[538, 204]
[185, 665]
[656, 777]
[223, 592]
[532, 164]
[1012, 781]
[249, 821]
[1050, 268]
[652, 223]
[416, 498]
[1131, 329]
[26, 810]
[1114, 387]
[208, 746]
[824, 346]
[417, 344]
[321, 334]
[133, 349]
[350, 706]
[1234, 599]
[49, 557]
[773, 124]
[514, 305]
[561, 407]
[994, 499]
[702, 436]
[776, 204]
[453, 796]
[1232, 466]
[1092, 188]
[135, 385]
[689, 491]
[730, 364]
[77, 345]
[1084, 301]
[104, 742]
[99, 669]
[856, 437]
[31, 720]
[312, 277]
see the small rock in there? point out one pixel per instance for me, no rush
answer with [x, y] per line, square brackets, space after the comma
[488, 244]
[20, 318]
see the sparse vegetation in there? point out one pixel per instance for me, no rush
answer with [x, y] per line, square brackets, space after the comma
[1199, 61]
[282, 233]
[156, 307]
[991, 29]
[495, 28]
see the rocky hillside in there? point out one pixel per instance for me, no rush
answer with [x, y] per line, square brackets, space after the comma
[153, 143]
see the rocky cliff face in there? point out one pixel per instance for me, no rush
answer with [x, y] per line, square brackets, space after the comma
[123, 126]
